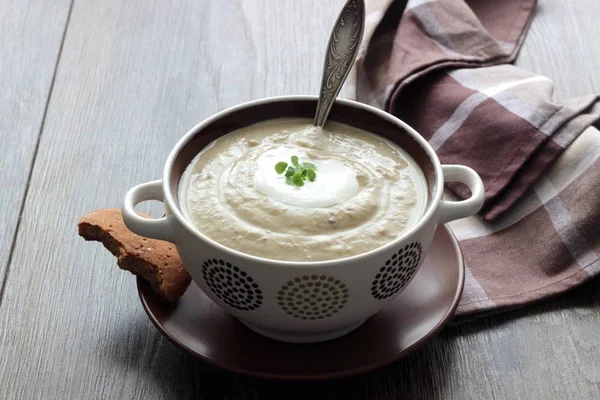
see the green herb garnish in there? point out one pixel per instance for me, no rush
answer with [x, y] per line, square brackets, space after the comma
[297, 173]
[280, 167]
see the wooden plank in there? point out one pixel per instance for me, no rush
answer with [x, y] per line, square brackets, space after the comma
[133, 77]
[562, 45]
[31, 34]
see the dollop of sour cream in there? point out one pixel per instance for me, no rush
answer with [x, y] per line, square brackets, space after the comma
[335, 181]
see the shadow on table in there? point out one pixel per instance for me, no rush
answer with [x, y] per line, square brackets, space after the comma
[422, 375]
[139, 348]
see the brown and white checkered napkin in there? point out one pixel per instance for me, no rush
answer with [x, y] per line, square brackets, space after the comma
[443, 66]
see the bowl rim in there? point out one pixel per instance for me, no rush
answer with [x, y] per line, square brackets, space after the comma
[425, 219]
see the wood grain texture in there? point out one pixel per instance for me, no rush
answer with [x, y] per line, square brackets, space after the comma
[31, 33]
[133, 77]
[563, 44]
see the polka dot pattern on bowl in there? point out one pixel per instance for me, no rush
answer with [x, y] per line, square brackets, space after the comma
[232, 285]
[312, 297]
[397, 271]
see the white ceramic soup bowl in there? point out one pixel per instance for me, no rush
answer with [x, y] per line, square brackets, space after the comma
[302, 301]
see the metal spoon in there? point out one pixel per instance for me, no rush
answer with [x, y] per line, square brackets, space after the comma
[342, 50]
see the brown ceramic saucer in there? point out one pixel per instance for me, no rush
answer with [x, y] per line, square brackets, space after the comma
[200, 327]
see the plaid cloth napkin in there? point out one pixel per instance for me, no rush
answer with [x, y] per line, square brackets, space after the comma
[443, 66]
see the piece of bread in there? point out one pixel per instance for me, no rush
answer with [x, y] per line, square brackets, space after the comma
[156, 261]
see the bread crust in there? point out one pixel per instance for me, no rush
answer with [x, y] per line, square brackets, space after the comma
[155, 261]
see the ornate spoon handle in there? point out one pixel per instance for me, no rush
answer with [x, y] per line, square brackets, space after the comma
[342, 50]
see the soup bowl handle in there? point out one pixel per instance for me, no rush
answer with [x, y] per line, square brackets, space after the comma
[453, 210]
[159, 228]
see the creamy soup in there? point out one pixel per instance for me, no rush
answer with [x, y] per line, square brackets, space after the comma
[362, 193]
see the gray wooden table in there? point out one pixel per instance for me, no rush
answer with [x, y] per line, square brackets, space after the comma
[93, 95]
